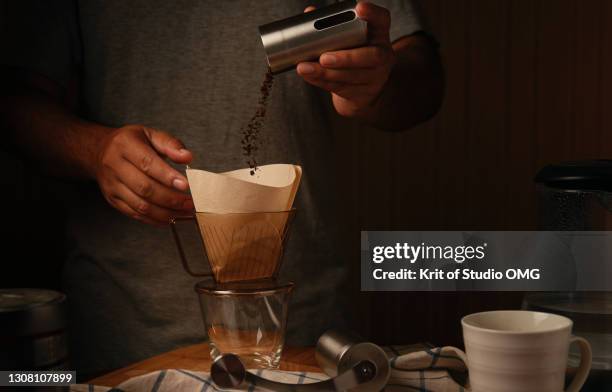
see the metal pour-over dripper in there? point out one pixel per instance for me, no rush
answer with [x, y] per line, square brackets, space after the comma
[243, 220]
[240, 246]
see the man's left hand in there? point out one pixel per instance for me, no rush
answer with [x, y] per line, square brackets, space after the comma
[356, 77]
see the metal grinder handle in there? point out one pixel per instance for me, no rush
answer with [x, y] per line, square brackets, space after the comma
[227, 371]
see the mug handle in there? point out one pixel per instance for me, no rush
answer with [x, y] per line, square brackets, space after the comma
[179, 245]
[585, 364]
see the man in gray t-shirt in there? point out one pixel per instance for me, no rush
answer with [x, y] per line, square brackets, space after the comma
[96, 82]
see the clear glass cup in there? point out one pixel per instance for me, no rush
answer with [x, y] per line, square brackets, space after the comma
[248, 319]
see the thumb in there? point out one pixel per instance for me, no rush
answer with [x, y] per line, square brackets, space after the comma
[379, 22]
[169, 146]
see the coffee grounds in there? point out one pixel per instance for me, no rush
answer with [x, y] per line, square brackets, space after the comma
[250, 132]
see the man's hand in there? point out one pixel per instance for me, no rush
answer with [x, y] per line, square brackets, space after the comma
[356, 77]
[128, 163]
[136, 180]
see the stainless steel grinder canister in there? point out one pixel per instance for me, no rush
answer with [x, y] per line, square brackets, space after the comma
[337, 352]
[306, 36]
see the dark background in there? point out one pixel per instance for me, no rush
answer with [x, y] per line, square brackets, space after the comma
[529, 83]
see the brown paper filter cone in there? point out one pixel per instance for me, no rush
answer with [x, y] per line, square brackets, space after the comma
[244, 246]
[243, 219]
[272, 188]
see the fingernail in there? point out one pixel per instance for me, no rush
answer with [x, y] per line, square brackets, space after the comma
[305, 68]
[183, 151]
[179, 184]
[328, 59]
[188, 204]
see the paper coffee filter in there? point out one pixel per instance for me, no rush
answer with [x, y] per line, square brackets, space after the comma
[243, 246]
[243, 218]
[272, 188]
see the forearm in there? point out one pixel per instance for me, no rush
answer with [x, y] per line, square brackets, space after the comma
[55, 139]
[414, 90]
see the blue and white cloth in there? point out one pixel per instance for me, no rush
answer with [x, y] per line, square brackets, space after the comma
[415, 368]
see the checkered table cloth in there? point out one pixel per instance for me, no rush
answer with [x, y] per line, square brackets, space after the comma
[417, 367]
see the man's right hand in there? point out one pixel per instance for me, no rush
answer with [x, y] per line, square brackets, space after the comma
[136, 180]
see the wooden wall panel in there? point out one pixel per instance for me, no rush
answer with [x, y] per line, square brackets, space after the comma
[521, 142]
[528, 83]
[452, 122]
[413, 183]
[586, 80]
[487, 96]
[556, 52]
[606, 79]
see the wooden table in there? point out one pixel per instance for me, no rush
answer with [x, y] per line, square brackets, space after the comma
[197, 358]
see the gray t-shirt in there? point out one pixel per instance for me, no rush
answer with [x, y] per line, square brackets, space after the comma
[192, 68]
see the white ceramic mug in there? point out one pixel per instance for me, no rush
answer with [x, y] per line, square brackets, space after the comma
[521, 351]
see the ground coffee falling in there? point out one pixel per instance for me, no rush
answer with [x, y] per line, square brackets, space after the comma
[250, 132]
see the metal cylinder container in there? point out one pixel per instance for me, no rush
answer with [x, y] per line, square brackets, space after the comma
[32, 330]
[306, 36]
[338, 351]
